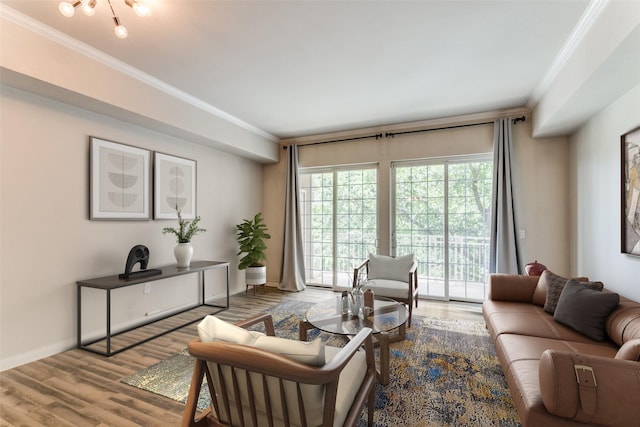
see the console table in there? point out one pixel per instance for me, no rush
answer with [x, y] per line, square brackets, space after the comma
[110, 283]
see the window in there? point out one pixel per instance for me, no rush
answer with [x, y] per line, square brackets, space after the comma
[339, 222]
[442, 215]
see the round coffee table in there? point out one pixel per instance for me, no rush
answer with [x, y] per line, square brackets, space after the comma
[387, 316]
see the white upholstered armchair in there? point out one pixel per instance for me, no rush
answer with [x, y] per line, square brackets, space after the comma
[391, 277]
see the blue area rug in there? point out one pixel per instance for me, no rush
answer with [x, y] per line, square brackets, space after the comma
[446, 373]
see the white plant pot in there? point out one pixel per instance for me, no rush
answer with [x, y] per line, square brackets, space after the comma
[256, 275]
[183, 253]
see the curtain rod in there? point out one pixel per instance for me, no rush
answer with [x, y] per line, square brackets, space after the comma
[393, 134]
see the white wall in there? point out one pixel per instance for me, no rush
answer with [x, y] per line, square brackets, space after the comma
[48, 242]
[595, 182]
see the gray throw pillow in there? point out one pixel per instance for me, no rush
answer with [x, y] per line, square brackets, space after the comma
[584, 309]
[555, 285]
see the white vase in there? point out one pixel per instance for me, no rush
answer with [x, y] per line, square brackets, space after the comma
[183, 253]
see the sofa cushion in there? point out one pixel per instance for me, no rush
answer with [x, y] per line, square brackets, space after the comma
[585, 310]
[554, 290]
[629, 350]
[546, 278]
[390, 268]
[526, 319]
[513, 348]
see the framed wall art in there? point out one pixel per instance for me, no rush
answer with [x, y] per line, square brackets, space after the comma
[630, 194]
[120, 181]
[174, 187]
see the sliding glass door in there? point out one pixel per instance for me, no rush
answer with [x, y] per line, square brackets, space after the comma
[339, 222]
[441, 213]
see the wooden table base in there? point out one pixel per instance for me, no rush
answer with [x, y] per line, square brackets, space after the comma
[382, 339]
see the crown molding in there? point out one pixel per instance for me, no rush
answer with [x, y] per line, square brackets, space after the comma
[583, 26]
[37, 27]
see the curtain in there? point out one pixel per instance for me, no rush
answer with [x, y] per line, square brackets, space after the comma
[292, 274]
[504, 257]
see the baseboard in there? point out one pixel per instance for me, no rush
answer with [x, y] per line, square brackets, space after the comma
[35, 355]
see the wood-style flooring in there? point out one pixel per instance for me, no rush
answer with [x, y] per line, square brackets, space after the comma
[79, 388]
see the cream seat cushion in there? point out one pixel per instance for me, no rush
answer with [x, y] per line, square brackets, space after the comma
[388, 288]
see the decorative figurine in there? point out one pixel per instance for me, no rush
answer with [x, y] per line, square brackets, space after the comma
[138, 254]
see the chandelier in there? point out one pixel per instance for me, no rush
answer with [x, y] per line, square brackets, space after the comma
[140, 8]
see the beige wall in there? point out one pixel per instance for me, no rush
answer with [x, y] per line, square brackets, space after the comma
[595, 186]
[48, 242]
[541, 175]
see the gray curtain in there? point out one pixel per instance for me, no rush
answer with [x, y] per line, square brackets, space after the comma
[292, 274]
[504, 257]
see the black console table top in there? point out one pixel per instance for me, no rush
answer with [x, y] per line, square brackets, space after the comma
[114, 282]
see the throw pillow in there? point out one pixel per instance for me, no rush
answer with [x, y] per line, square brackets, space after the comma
[630, 350]
[309, 353]
[584, 309]
[386, 267]
[554, 290]
[540, 293]
[213, 329]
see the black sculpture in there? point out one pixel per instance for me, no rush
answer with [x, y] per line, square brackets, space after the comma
[138, 254]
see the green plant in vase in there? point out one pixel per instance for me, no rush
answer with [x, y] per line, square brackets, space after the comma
[184, 233]
[251, 234]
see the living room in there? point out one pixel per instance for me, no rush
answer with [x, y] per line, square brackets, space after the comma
[54, 98]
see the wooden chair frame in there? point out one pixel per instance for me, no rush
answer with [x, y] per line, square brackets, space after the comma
[412, 286]
[244, 359]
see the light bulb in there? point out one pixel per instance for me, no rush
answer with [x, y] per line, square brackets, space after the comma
[67, 9]
[119, 29]
[141, 9]
[89, 7]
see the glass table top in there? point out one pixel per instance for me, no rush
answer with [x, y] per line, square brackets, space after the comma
[327, 316]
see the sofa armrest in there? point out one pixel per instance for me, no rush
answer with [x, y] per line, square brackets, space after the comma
[512, 287]
[609, 393]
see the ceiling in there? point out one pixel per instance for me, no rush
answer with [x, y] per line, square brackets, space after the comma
[296, 68]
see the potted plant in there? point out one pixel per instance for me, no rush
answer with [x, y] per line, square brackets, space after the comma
[185, 231]
[251, 234]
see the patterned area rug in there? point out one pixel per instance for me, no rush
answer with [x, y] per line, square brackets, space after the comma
[445, 373]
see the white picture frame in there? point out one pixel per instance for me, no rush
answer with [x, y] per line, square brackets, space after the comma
[174, 184]
[120, 181]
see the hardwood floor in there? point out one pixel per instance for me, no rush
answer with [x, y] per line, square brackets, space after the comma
[79, 388]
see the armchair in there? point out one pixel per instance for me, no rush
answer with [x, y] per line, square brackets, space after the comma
[256, 379]
[391, 277]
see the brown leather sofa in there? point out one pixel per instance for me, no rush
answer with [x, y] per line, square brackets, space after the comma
[558, 376]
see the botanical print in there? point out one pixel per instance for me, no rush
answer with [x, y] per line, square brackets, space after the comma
[631, 152]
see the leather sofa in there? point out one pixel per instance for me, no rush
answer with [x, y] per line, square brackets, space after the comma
[557, 376]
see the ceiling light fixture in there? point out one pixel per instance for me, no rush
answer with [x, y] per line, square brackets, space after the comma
[140, 8]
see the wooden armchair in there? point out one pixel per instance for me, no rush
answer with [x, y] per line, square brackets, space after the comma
[252, 385]
[391, 277]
